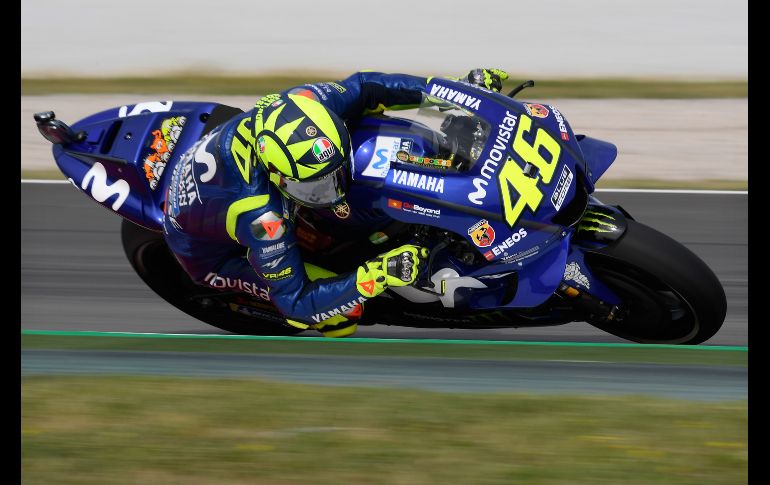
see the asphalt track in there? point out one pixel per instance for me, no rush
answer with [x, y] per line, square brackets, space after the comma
[74, 275]
[710, 383]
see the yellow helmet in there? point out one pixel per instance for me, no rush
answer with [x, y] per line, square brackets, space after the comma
[304, 147]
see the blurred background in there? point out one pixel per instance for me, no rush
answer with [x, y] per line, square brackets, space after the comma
[665, 80]
[690, 39]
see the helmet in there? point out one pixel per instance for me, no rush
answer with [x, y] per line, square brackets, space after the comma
[304, 147]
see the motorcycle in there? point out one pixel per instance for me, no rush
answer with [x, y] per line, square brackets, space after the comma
[499, 190]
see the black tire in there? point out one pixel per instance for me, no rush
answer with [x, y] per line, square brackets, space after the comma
[669, 294]
[152, 260]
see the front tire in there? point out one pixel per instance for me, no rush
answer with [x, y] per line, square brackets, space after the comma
[669, 294]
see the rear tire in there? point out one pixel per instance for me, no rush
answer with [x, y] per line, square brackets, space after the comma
[669, 294]
[152, 260]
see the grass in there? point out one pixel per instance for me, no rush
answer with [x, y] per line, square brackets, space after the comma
[700, 355]
[127, 430]
[711, 184]
[253, 85]
[42, 174]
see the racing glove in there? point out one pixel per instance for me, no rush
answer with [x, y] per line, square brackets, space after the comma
[397, 267]
[488, 78]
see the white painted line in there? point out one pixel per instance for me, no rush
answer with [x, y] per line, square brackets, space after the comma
[677, 191]
[43, 181]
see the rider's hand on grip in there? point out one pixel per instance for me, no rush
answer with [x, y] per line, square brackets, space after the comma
[397, 267]
[488, 78]
[403, 264]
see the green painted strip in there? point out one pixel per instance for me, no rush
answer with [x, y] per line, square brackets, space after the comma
[376, 340]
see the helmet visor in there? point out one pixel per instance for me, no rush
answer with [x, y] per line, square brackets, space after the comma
[323, 192]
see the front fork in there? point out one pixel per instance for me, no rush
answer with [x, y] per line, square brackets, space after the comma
[600, 226]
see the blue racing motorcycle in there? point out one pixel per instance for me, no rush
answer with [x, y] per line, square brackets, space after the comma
[499, 190]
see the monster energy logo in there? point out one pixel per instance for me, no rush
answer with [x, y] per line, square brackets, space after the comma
[595, 221]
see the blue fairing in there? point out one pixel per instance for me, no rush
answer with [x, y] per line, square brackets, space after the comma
[535, 246]
[122, 157]
[598, 155]
[511, 215]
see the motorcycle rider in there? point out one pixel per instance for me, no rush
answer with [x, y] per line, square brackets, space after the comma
[291, 148]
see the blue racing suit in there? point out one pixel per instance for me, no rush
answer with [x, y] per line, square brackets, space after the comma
[217, 205]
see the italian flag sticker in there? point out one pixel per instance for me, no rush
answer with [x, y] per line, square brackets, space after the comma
[323, 149]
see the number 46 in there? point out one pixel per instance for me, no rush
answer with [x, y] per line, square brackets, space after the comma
[513, 177]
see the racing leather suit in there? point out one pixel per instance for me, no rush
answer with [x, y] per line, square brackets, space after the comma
[219, 202]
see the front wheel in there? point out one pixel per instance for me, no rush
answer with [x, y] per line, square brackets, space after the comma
[669, 294]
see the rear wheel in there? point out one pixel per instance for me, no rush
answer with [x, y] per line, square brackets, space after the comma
[234, 312]
[669, 294]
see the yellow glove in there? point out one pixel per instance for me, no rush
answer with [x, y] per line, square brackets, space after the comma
[488, 78]
[398, 267]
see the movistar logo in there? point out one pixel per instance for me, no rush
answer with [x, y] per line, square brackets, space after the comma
[456, 97]
[101, 189]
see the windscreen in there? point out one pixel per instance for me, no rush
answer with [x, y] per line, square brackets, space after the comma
[459, 135]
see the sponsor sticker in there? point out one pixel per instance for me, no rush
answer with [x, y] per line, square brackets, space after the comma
[482, 233]
[395, 204]
[183, 187]
[367, 286]
[418, 180]
[101, 189]
[521, 255]
[438, 162]
[224, 283]
[149, 106]
[342, 211]
[457, 97]
[536, 110]
[385, 151]
[323, 149]
[274, 263]
[509, 242]
[304, 92]
[280, 275]
[348, 309]
[560, 121]
[562, 187]
[423, 211]
[162, 146]
[269, 251]
[414, 208]
[572, 273]
[268, 227]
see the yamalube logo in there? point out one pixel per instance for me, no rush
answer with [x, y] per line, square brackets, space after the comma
[418, 180]
[323, 149]
[455, 96]
[562, 187]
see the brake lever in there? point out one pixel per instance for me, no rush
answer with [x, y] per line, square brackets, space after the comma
[424, 280]
[517, 89]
